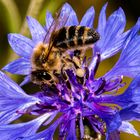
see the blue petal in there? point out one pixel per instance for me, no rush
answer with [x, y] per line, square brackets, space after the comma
[12, 100]
[20, 66]
[9, 87]
[37, 31]
[115, 25]
[93, 64]
[109, 115]
[52, 116]
[129, 97]
[49, 20]
[21, 45]
[130, 113]
[101, 111]
[132, 93]
[17, 131]
[72, 131]
[102, 20]
[8, 116]
[14, 113]
[81, 127]
[26, 80]
[71, 18]
[129, 62]
[46, 134]
[88, 18]
[128, 128]
[111, 36]
[114, 123]
[64, 127]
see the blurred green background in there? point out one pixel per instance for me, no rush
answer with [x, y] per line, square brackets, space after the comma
[12, 20]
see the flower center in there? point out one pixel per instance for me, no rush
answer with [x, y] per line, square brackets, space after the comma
[81, 97]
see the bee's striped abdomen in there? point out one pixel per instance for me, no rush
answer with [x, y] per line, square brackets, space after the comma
[59, 38]
[73, 36]
[80, 35]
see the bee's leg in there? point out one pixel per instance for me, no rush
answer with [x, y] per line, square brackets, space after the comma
[50, 90]
[74, 62]
[64, 76]
[79, 53]
[77, 61]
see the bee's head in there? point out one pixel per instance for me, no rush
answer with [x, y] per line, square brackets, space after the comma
[38, 55]
[43, 77]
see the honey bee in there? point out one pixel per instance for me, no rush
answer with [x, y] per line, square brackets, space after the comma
[64, 50]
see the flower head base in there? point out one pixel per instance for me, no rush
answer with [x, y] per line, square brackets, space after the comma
[76, 102]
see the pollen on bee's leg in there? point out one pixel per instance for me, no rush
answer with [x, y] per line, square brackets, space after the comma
[80, 72]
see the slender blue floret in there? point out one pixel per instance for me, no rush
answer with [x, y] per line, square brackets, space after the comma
[91, 102]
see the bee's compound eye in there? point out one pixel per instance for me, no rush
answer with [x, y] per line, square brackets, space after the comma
[45, 75]
[41, 75]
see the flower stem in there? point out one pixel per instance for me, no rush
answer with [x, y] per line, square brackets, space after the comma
[33, 10]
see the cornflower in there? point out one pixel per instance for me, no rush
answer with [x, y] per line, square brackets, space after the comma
[95, 102]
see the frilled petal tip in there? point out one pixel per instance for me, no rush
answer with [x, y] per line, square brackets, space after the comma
[21, 45]
[20, 66]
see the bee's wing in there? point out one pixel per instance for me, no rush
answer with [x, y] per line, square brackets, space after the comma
[59, 21]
